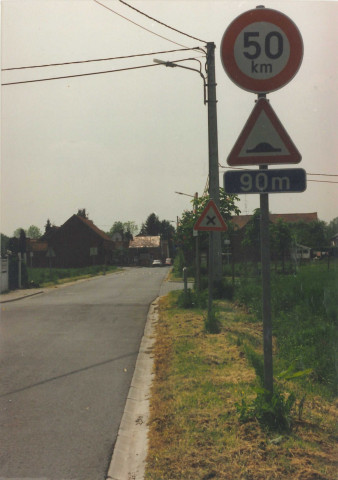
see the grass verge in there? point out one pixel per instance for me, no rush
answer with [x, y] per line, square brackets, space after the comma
[195, 430]
[45, 277]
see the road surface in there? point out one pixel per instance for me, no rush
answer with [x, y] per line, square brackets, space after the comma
[67, 359]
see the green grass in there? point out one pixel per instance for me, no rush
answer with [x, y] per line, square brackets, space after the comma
[42, 277]
[305, 316]
[195, 432]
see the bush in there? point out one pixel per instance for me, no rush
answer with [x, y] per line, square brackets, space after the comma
[185, 299]
[190, 299]
[223, 289]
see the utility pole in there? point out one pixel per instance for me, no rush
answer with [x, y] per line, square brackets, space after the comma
[215, 248]
[197, 250]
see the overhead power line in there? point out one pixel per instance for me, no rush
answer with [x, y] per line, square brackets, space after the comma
[79, 75]
[320, 181]
[97, 59]
[138, 25]
[161, 23]
[312, 174]
[91, 73]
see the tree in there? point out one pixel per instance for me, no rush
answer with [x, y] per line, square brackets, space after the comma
[152, 226]
[332, 228]
[311, 234]
[33, 232]
[130, 227]
[17, 232]
[252, 237]
[126, 229]
[4, 245]
[167, 230]
[281, 239]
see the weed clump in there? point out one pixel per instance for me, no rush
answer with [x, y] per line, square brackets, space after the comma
[272, 410]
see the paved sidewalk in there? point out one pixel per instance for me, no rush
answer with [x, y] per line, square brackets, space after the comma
[20, 293]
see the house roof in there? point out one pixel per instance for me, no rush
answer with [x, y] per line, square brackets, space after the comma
[241, 220]
[93, 227]
[83, 220]
[146, 242]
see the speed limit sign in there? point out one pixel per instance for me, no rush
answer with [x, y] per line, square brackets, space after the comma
[261, 50]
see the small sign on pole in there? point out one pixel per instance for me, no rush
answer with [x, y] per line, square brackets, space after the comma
[211, 220]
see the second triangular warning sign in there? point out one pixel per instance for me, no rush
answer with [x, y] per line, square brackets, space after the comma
[211, 219]
[263, 140]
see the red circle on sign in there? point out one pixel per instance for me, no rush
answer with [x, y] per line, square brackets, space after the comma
[228, 56]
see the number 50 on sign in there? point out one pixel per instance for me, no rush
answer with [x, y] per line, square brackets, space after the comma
[261, 50]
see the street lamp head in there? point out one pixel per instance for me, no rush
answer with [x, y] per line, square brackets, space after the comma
[161, 62]
[186, 194]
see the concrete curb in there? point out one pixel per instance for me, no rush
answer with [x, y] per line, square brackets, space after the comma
[14, 299]
[129, 456]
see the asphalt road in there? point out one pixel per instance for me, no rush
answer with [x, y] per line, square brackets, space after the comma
[67, 360]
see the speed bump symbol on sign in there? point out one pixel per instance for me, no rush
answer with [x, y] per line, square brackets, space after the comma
[263, 140]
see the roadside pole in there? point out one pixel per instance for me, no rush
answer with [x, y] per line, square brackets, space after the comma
[211, 273]
[197, 250]
[211, 221]
[216, 251]
[266, 290]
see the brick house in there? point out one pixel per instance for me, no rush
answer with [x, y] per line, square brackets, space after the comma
[77, 243]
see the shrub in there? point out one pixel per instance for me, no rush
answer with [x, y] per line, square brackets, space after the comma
[185, 299]
[223, 289]
[190, 299]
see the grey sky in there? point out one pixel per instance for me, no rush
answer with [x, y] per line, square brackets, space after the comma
[120, 144]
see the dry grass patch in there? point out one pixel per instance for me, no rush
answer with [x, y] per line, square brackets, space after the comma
[195, 432]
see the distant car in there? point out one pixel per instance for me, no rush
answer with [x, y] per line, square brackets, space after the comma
[168, 261]
[157, 263]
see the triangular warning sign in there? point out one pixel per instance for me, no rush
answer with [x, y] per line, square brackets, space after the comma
[263, 140]
[211, 219]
